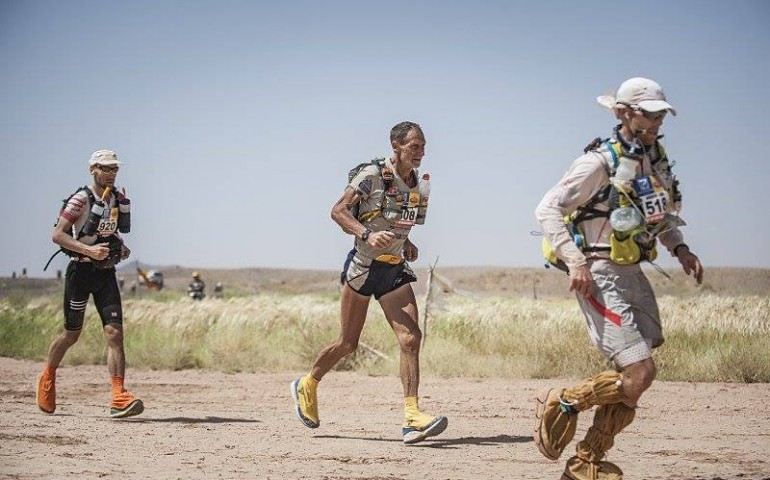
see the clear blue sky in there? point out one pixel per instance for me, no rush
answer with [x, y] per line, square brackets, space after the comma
[237, 121]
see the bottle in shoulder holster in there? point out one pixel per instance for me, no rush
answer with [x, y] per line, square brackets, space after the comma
[94, 217]
[424, 189]
[124, 215]
[96, 214]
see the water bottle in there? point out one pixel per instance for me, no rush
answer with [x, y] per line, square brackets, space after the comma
[625, 219]
[424, 189]
[124, 215]
[94, 217]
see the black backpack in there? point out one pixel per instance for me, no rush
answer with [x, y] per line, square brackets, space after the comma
[387, 180]
[114, 244]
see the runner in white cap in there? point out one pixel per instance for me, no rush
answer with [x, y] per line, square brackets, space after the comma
[90, 236]
[620, 198]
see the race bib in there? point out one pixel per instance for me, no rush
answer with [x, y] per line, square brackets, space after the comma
[654, 199]
[409, 203]
[109, 222]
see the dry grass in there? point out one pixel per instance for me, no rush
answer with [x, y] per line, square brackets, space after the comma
[709, 337]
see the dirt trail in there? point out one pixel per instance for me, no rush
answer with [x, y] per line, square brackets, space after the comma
[203, 425]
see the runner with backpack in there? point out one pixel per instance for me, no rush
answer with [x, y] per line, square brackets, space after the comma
[601, 220]
[87, 230]
[379, 207]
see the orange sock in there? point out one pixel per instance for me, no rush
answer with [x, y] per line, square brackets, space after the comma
[117, 386]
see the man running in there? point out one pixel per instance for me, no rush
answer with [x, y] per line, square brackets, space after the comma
[90, 236]
[385, 197]
[620, 197]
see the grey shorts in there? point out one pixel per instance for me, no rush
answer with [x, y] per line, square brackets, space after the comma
[622, 315]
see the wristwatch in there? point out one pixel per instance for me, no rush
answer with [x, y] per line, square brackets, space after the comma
[365, 235]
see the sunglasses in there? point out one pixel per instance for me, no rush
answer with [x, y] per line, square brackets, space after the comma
[648, 115]
[653, 115]
[106, 169]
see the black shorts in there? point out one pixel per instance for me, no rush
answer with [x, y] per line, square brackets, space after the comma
[83, 279]
[377, 278]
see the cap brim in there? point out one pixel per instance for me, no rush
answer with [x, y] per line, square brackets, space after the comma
[105, 162]
[656, 106]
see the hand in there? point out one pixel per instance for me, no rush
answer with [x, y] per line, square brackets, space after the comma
[125, 252]
[690, 263]
[410, 251]
[98, 251]
[581, 281]
[380, 239]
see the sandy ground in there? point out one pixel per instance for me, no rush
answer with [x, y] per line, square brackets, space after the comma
[201, 425]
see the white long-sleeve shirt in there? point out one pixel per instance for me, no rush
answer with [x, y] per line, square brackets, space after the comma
[587, 176]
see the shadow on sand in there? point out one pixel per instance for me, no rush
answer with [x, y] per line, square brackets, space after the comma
[190, 420]
[444, 443]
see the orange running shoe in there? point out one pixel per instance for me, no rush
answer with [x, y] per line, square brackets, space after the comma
[45, 391]
[125, 405]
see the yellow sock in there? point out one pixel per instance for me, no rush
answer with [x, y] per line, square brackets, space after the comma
[411, 405]
[412, 415]
[309, 381]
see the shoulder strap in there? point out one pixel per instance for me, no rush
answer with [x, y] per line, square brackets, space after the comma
[89, 193]
[91, 200]
[587, 211]
[615, 150]
[91, 196]
[385, 172]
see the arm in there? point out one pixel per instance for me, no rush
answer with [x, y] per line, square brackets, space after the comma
[341, 214]
[585, 177]
[690, 262]
[673, 240]
[61, 237]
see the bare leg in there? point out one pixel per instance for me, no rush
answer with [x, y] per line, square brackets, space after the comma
[116, 356]
[400, 310]
[60, 345]
[353, 309]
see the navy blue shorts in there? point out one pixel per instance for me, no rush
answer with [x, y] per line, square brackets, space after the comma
[377, 278]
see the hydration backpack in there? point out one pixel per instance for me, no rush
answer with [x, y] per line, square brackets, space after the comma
[115, 244]
[385, 172]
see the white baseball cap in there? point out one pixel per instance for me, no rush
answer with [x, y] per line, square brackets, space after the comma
[638, 92]
[104, 157]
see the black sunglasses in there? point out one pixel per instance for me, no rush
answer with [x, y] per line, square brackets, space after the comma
[106, 169]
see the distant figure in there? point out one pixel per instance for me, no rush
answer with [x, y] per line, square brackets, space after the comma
[196, 288]
[155, 280]
[121, 282]
[58, 274]
[621, 198]
[13, 275]
[91, 214]
[379, 207]
[218, 290]
[24, 272]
